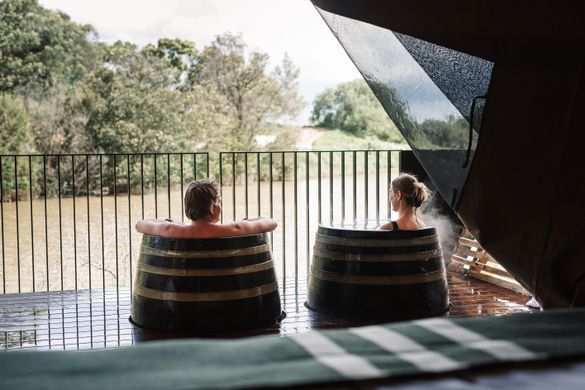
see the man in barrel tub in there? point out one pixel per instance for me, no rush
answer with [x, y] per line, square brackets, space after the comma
[203, 208]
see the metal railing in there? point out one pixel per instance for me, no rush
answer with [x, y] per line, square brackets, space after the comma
[67, 221]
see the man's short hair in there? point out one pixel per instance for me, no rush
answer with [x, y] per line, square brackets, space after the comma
[200, 196]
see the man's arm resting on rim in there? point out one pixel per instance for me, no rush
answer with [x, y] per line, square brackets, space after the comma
[251, 226]
[157, 227]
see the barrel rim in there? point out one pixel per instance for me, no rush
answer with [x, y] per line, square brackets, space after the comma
[205, 238]
[358, 232]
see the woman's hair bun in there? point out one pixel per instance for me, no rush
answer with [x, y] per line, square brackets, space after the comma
[415, 192]
[420, 194]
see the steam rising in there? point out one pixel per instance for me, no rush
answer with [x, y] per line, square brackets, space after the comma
[436, 213]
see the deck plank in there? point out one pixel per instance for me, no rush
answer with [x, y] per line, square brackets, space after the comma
[96, 319]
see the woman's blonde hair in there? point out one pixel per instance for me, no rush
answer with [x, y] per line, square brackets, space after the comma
[413, 191]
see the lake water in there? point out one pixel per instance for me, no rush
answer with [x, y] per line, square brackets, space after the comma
[91, 242]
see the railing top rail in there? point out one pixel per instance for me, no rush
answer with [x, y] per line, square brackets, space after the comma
[102, 154]
[313, 151]
[2, 155]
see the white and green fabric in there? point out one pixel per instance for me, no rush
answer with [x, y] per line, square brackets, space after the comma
[434, 345]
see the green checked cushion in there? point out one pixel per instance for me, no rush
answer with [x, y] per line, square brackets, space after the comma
[417, 347]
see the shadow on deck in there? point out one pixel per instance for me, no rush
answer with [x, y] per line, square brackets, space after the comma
[95, 319]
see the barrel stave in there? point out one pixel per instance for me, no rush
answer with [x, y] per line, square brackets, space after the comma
[381, 275]
[194, 285]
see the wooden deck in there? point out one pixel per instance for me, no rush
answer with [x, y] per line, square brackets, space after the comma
[95, 319]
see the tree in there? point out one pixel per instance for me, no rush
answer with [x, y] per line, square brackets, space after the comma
[39, 47]
[352, 107]
[254, 97]
[450, 133]
[15, 136]
[179, 53]
[134, 107]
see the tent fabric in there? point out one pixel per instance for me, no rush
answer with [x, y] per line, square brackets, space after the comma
[523, 196]
[422, 347]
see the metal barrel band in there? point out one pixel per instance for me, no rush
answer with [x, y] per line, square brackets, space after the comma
[382, 243]
[205, 254]
[419, 256]
[379, 280]
[207, 296]
[248, 269]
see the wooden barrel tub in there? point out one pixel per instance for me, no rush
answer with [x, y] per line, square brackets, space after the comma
[205, 284]
[361, 273]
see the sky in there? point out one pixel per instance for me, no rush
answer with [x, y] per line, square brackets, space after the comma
[275, 27]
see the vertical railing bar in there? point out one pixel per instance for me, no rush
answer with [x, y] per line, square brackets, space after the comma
[49, 323]
[319, 189]
[63, 324]
[102, 224]
[60, 219]
[169, 183]
[283, 224]
[74, 219]
[116, 229]
[17, 221]
[246, 181]
[377, 185]
[130, 218]
[182, 190]
[234, 184]
[354, 185]
[343, 185]
[32, 235]
[207, 163]
[77, 321]
[155, 189]
[2, 227]
[399, 162]
[295, 160]
[221, 182]
[91, 319]
[142, 184]
[259, 179]
[366, 185]
[104, 313]
[307, 259]
[46, 222]
[88, 221]
[330, 186]
[194, 166]
[271, 199]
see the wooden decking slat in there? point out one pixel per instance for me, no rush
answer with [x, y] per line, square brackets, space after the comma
[77, 322]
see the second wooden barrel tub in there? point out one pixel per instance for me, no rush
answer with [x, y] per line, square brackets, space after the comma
[361, 273]
[205, 285]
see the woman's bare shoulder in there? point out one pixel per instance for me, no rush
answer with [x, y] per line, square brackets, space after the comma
[386, 226]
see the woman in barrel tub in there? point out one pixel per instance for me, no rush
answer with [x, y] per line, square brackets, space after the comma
[406, 196]
[203, 208]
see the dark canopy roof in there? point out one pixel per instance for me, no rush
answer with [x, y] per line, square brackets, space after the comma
[522, 195]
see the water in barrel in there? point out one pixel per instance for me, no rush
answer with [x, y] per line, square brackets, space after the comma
[359, 272]
[211, 284]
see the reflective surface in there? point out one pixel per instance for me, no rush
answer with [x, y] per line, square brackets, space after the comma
[427, 90]
[99, 319]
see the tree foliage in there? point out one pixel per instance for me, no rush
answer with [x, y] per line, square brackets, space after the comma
[39, 46]
[15, 134]
[353, 108]
[254, 97]
[61, 91]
